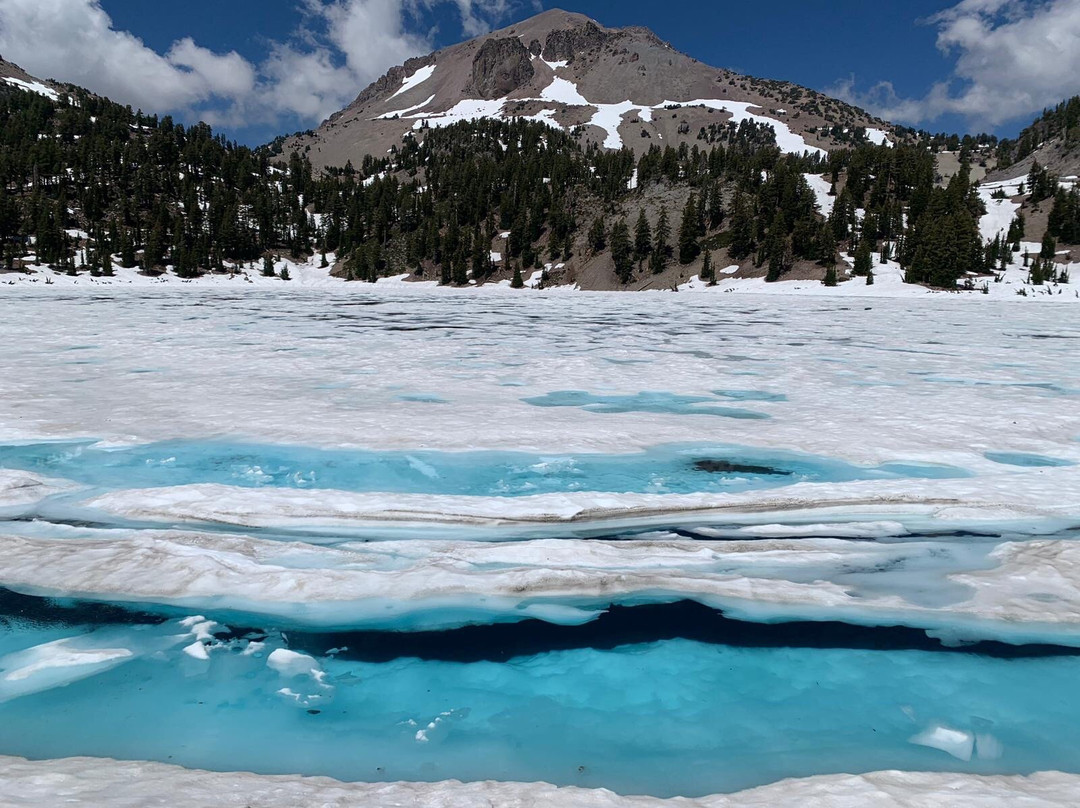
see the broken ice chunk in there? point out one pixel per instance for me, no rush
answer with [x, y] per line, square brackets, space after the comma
[956, 742]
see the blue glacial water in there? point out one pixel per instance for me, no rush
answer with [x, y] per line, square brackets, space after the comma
[667, 717]
[1026, 460]
[650, 401]
[666, 469]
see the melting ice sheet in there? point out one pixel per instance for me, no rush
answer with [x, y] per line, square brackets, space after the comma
[957, 589]
[668, 469]
[665, 718]
[253, 447]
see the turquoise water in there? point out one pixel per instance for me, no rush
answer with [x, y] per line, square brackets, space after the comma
[1027, 460]
[666, 469]
[674, 717]
[656, 402]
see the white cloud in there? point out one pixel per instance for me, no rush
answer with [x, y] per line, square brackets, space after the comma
[74, 40]
[342, 46]
[228, 75]
[476, 13]
[1013, 58]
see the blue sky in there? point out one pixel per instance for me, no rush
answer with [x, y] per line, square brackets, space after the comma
[257, 68]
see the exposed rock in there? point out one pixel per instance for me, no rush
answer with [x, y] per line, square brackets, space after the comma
[390, 82]
[565, 44]
[500, 67]
[610, 66]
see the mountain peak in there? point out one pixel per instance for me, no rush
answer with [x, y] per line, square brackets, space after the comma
[613, 86]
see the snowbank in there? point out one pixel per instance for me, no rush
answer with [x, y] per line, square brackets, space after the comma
[23, 487]
[92, 783]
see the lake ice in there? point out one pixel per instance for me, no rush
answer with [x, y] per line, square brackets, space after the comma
[664, 544]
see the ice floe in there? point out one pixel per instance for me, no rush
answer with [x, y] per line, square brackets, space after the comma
[1015, 591]
[1051, 494]
[61, 662]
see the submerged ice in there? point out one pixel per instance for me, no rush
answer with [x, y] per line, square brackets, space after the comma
[663, 718]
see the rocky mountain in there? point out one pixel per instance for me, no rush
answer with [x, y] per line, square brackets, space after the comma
[1052, 141]
[14, 76]
[613, 87]
[509, 160]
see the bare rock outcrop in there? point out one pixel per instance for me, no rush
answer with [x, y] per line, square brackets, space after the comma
[500, 67]
[564, 44]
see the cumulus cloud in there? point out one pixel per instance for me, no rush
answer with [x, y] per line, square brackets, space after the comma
[1013, 58]
[341, 46]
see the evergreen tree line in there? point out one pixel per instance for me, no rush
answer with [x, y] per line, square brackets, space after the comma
[156, 193]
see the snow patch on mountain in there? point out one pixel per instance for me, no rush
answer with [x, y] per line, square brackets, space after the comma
[469, 109]
[786, 140]
[415, 80]
[878, 137]
[610, 116]
[403, 112]
[821, 187]
[563, 92]
[33, 87]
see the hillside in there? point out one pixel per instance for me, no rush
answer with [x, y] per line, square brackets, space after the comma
[89, 187]
[1051, 141]
[612, 87]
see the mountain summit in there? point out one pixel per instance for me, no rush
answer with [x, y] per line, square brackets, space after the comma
[615, 87]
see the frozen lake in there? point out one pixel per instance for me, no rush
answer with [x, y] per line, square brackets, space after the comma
[664, 544]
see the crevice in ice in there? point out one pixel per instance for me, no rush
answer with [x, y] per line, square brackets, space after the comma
[617, 627]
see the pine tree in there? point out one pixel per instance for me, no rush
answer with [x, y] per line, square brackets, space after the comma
[661, 244]
[777, 249]
[688, 232]
[742, 230]
[459, 269]
[127, 249]
[1049, 247]
[642, 238]
[830, 277]
[516, 282]
[826, 246]
[597, 236]
[716, 207]
[284, 274]
[708, 271]
[863, 258]
[621, 251]
[154, 254]
[870, 278]
[268, 267]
